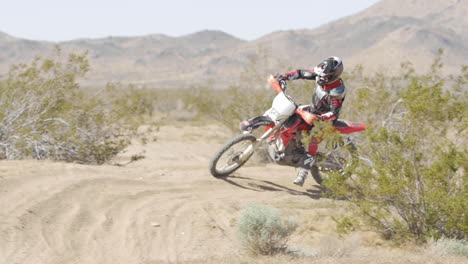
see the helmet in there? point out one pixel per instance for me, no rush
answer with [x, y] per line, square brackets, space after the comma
[328, 70]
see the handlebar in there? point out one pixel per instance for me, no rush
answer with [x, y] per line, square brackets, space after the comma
[277, 85]
[280, 86]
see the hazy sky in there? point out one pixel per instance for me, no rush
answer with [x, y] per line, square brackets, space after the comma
[58, 20]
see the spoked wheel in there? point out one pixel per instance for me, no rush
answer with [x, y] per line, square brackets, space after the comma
[337, 160]
[232, 155]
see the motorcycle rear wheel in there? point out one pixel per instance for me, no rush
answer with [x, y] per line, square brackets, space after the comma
[228, 158]
[340, 160]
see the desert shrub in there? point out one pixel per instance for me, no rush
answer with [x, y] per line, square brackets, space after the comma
[338, 247]
[262, 231]
[414, 184]
[130, 104]
[236, 103]
[228, 106]
[447, 246]
[46, 116]
[250, 97]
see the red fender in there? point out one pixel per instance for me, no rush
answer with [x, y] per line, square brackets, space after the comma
[307, 116]
[347, 127]
[275, 84]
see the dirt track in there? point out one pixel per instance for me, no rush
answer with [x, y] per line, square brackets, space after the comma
[166, 208]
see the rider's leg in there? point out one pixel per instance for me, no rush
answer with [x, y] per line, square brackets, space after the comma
[304, 167]
[307, 161]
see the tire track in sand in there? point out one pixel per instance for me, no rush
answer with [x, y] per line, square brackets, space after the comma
[163, 209]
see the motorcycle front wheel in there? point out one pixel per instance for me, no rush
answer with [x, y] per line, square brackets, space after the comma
[338, 160]
[232, 155]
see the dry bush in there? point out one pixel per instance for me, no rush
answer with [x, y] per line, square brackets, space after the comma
[46, 116]
[335, 247]
[446, 246]
[262, 231]
[414, 184]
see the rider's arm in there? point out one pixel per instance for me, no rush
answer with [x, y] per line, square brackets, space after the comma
[300, 74]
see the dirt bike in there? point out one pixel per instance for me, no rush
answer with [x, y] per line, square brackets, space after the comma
[283, 124]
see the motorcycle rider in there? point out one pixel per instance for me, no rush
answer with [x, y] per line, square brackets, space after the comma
[326, 102]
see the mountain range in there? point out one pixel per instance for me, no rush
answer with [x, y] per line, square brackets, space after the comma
[378, 38]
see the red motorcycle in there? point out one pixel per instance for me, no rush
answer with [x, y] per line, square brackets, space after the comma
[284, 123]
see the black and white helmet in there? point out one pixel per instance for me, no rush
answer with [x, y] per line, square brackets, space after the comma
[328, 71]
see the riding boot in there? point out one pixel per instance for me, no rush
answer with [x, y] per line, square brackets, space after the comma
[305, 164]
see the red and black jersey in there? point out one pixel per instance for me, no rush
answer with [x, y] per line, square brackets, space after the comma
[326, 100]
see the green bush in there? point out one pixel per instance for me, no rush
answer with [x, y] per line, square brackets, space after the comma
[262, 231]
[131, 105]
[45, 115]
[413, 183]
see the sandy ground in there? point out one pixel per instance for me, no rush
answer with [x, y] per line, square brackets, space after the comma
[165, 208]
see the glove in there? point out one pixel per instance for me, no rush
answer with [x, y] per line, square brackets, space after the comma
[281, 77]
[327, 116]
[245, 125]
